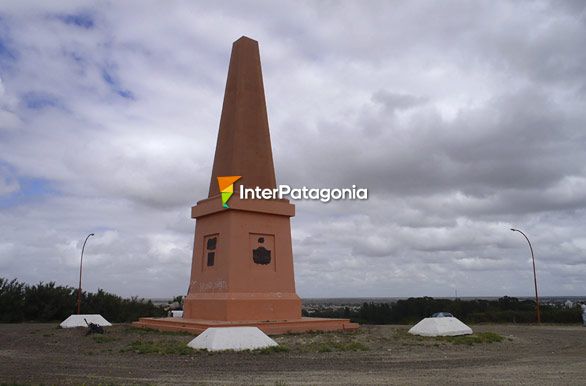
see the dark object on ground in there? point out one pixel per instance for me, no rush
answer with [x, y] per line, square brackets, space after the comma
[93, 328]
[442, 315]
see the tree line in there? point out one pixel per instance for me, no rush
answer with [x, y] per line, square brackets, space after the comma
[48, 302]
[410, 311]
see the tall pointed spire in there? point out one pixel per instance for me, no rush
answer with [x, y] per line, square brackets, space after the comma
[244, 143]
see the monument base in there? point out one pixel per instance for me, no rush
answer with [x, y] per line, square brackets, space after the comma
[242, 306]
[270, 327]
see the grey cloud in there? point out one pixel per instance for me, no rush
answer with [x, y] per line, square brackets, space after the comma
[396, 101]
[462, 120]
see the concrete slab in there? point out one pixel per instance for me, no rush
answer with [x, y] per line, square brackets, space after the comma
[231, 338]
[79, 321]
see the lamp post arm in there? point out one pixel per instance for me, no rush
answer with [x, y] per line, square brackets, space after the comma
[534, 273]
[80, 270]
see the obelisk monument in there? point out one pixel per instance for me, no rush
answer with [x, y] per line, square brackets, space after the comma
[231, 285]
[242, 265]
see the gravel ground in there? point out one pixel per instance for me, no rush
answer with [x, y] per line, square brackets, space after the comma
[44, 353]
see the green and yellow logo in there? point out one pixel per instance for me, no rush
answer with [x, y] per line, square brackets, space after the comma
[226, 185]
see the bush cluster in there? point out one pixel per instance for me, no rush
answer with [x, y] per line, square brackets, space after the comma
[47, 302]
[409, 311]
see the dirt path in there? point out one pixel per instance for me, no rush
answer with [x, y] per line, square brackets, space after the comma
[43, 353]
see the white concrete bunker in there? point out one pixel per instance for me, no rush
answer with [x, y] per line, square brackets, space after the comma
[443, 326]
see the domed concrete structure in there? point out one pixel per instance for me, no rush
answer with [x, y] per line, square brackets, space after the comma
[232, 338]
[442, 326]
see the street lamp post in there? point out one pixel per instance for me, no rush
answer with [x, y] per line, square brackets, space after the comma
[534, 274]
[80, 267]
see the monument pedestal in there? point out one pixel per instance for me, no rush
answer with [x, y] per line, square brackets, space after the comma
[242, 306]
[236, 286]
[242, 265]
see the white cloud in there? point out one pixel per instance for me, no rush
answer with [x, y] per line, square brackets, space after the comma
[461, 120]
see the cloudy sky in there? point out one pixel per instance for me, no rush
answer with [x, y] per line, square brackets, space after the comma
[463, 119]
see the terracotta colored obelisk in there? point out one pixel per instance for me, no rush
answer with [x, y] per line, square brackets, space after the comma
[226, 282]
[242, 267]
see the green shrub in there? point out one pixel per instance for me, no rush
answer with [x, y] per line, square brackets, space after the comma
[11, 301]
[271, 349]
[47, 302]
[409, 311]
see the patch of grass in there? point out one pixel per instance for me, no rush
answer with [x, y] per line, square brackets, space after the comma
[329, 346]
[271, 349]
[330, 341]
[480, 338]
[168, 347]
[316, 333]
[308, 333]
[103, 338]
[402, 334]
